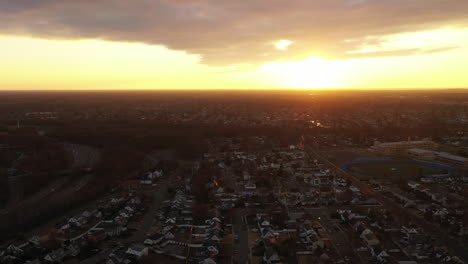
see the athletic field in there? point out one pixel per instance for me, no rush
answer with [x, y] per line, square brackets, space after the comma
[395, 168]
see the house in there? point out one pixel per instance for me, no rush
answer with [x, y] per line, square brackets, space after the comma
[36, 261]
[359, 227]
[412, 235]
[369, 238]
[56, 256]
[379, 253]
[169, 236]
[13, 251]
[354, 189]
[215, 239]
[155, 174]
[439, 197]
[249, 190]
[213, 251]
[114, 231]
[87, 214]
[76, 222]
[118, 257]
[137, 251]
[131, 184]
[208, 261]
[316, 179]
[413, 185]
[270, 256]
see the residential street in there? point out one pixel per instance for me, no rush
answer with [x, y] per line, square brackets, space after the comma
[242, 245]
[159, 195]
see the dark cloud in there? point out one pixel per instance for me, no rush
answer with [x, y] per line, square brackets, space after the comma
[231, 31]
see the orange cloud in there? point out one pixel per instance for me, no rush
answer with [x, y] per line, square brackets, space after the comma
[236, 32]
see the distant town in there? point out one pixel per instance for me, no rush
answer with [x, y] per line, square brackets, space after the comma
[234, 177]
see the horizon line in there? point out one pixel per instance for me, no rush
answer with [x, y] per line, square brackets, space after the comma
[232, 89]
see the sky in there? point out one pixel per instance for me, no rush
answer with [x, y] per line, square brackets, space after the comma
[232, 44]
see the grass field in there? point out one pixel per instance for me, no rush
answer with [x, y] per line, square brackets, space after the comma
[394, 169]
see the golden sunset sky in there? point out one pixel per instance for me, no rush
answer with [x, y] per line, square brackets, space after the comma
[233, 44]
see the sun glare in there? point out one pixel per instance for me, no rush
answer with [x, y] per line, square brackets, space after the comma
[310, 73]
[283, 44]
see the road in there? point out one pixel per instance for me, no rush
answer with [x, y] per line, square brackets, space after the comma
[429, 228]
[241, 247]
[159, 196]
[340, 240]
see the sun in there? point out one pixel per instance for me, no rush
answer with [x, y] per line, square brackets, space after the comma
[310, 73]
[311, 76]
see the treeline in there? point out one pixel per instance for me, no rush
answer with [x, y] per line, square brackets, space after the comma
[117, 164]
[147, 136]
[4, 190]
[41, 157]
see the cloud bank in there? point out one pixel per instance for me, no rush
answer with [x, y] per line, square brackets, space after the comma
[229, 32]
